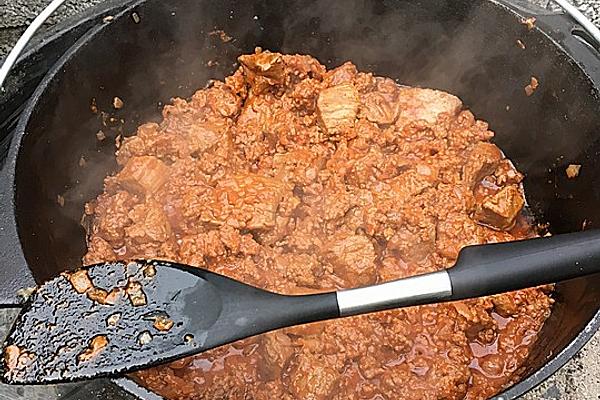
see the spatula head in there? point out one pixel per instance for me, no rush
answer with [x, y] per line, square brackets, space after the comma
[117, 317]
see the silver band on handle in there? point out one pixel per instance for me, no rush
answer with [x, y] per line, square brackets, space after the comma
[403, 292]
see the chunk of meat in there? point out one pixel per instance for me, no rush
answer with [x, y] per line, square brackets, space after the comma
[201, 137]
[382, 105]
[413, 182]
[376, 107]
[482, 160]
[149, 223]
[99, 250]
[506, 305]
[98, 295]
[337, 107]
[154, 140]
[353, 257]
[501, 209]
[413, 245]
[144, 175]
[345, 73]
[278, 349]
[312, 378]
[263, 69]
[112, 216]
[480, 324]
[425, 105]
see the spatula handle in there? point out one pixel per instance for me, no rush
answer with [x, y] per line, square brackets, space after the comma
[502, 267]
[485, 270]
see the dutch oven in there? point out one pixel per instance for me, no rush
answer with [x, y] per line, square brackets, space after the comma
[148, 51]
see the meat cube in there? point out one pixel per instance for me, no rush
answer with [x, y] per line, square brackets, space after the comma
[413, 246]
[136, 145]
[135, 292]
[99, 250]
[353, 257]
[412, 182]
[266, 64]
[202, 137]
[150, 140]
[312, 378]
[111, 216]
[277, 351]
[382, 106]
[500, 210]
[263, 70]
[144, 175]
[506, 304]
[379, 108]
[426, 105]
[97, 294]
[337, 108]
[248, 201]
[11, 356]
[150, 223]
[482, 161]
[573, 170]
[345, 73]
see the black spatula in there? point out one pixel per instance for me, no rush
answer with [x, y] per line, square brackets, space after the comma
[116, 317]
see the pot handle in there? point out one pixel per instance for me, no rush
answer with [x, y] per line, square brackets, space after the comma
[568, 8]
[25, 38]
[570, 29]
[581, 19]
[14, 272]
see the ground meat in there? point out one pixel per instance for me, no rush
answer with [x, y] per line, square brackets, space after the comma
[298, 180]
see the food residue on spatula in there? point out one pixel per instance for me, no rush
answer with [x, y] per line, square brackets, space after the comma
[97, 344]
[136, 294]
[16, 358]
[80, 280]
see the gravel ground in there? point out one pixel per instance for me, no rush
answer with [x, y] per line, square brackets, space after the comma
[577, 380]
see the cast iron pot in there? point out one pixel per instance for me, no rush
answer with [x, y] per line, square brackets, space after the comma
[153, 50]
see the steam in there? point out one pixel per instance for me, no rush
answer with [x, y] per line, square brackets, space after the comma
[461, 57]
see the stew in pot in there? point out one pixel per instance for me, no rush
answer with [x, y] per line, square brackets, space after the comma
[299, 179]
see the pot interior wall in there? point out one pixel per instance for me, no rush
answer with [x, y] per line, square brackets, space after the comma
[465, 47]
